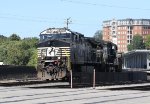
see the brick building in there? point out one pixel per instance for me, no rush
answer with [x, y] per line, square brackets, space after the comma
[122, 31]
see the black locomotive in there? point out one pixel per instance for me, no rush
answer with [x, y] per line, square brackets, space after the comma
[61, 50]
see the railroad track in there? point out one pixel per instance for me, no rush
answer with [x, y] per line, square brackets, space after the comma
[60, 84]
[25, 83]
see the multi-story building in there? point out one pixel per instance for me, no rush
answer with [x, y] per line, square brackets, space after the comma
[122, 31]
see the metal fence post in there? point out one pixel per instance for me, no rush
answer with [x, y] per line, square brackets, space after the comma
[94, 79]
[71, 77]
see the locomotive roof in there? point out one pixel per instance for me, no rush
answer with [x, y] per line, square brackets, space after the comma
[65, 30]
[98, 42]
[59, 31]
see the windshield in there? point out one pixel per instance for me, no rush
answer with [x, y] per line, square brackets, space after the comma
[44, 37]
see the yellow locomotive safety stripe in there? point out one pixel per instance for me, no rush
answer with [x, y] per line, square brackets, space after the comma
[64, 51]
[68, 64]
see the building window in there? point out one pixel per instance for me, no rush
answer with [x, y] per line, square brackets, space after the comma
[130, 36]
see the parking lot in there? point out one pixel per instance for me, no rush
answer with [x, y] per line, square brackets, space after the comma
[120, 94]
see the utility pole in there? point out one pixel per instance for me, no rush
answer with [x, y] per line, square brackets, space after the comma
[67, 22]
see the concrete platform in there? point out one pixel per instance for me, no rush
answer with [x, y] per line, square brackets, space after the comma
[129, 94]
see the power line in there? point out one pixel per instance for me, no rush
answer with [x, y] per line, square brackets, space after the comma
[104, 5]
[22, 18]
[9, 16]
[26, 19]
[25, 16]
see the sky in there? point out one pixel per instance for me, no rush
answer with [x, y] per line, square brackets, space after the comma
[27, 18]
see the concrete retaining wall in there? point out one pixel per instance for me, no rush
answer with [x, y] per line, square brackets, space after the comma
[109, 77]
[8, 72]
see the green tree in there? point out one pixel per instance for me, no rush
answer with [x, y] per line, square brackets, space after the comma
[14, 37]
[98, 35]
[32, 42]
[3, 53]
[22, 52]
[33, 58]
[147, 42]
[137, 43]
[17, 55]
[130, 48]
[3, 39]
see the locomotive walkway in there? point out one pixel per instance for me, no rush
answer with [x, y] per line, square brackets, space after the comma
[119, 94]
